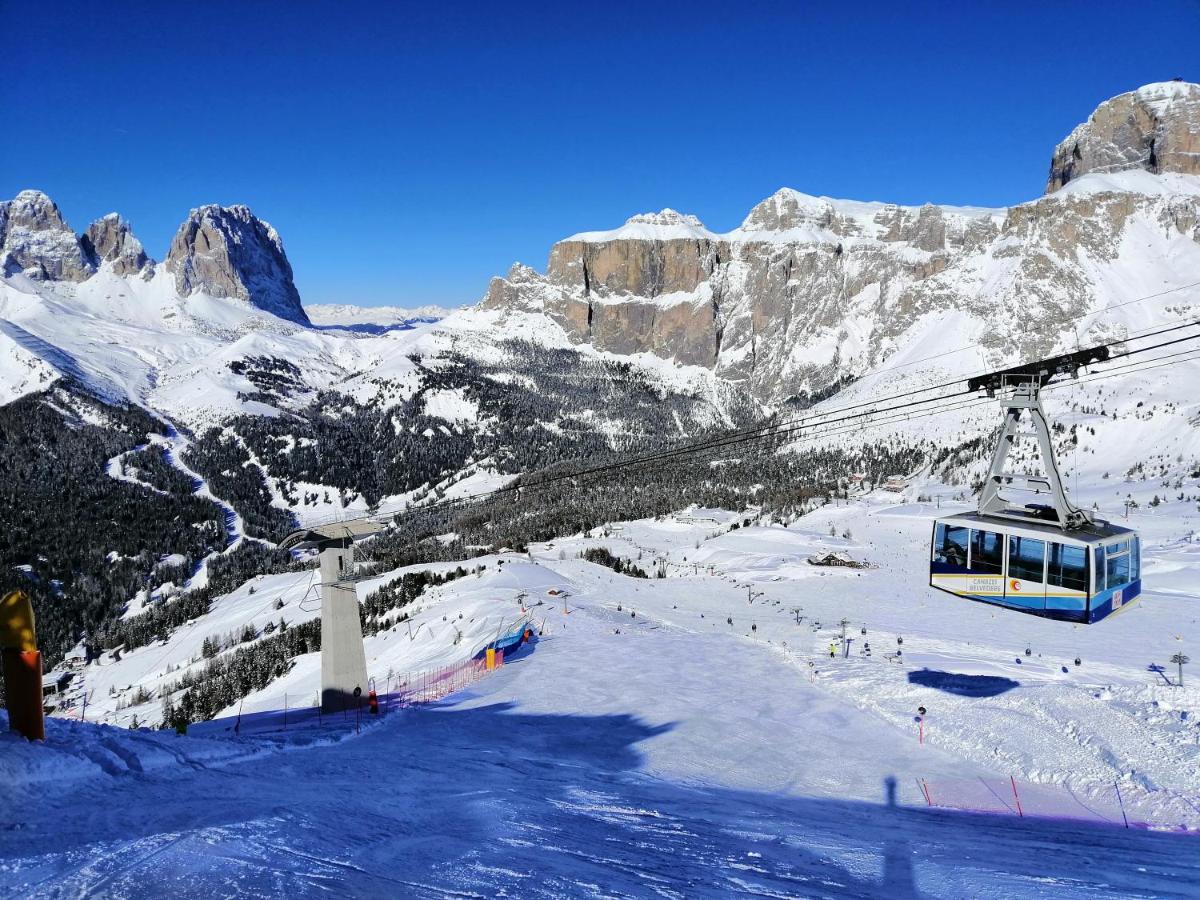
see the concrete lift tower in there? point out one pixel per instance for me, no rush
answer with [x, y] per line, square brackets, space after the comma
[343, 659]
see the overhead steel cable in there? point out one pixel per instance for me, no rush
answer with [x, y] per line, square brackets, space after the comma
[774, 431]
[1062, 320]
[783, 430]
[817, 432]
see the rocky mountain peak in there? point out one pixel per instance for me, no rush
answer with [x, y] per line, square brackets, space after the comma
[36, 240]
[33, 209]
[111, 240]
[651, 254]
[787, 209]
[226, 251]
[665, 217]
[1155, 128]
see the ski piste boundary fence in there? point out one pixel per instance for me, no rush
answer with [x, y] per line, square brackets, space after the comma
[277, 713]
[1126, 808]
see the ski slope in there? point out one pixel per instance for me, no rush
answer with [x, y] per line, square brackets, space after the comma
[647, 746]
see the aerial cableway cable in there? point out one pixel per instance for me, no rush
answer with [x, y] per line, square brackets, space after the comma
[788, 428]
[813, 433]
[813, 426]
[785, 428]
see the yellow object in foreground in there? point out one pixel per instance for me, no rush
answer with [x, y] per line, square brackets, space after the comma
[16, 622]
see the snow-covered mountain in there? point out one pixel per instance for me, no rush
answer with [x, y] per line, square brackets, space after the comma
[656, 331]
[809, 292]
[805, 295]
[163, 423]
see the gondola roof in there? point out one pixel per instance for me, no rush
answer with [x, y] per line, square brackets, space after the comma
[1098, 532]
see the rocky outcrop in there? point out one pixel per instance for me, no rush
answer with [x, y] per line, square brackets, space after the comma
[809, 292]
[110, 240]
[225, 251]
[35, 240]
[651, 254]
[742, 303]
[1155, 128]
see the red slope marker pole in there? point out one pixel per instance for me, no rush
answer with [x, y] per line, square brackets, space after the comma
[1016, 796]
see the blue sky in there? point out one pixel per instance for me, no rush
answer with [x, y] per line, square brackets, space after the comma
[408, 152]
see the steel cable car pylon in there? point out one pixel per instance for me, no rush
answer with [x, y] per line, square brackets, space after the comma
[1019, 390]
[1020, 397]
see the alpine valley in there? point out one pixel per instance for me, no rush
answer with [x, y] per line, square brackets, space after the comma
[165, 423]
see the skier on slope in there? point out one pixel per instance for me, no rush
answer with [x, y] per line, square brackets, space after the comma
[832, 650]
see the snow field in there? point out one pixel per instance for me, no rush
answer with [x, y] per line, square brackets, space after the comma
[639, 750]
[1110, 720]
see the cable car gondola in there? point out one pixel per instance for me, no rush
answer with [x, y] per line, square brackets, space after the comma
[1053, 560]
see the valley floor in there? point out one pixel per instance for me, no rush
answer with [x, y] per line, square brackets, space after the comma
[647, 747]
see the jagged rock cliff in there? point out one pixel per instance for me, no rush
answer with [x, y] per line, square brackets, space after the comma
[226, 251]
[735, 302]
[35, 240]
[1156, 128]
[222, 251]
[110, 240]
[650, 255]
[810, 291]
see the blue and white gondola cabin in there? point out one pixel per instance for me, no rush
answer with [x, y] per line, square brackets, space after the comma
[1046, 559]
[1035, 567]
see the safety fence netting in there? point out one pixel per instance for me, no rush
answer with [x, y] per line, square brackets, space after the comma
[385, 693]
[1123, 806]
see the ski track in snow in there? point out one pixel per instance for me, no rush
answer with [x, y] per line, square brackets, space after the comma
[115, 468]
[174, 444]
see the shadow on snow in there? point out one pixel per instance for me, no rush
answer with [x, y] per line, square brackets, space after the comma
[963, 685]
[489, 800]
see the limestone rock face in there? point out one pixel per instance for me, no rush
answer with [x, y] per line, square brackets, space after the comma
[110, 240]
[810, 292]
[1155, 128]
[651, 254]
[229, 252]
[35, 240]
[741, 303]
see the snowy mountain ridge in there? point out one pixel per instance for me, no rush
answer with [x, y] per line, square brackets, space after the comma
[806, 294]
[220, 251]
[811, 292]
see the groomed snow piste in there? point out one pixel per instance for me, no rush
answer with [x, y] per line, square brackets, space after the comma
[646, 745]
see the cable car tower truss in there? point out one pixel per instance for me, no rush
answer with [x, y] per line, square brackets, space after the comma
[1019, 391]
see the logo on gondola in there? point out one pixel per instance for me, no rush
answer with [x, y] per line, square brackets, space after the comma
[1014, 584]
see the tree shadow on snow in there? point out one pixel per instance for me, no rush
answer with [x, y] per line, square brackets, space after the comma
[963, 685]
